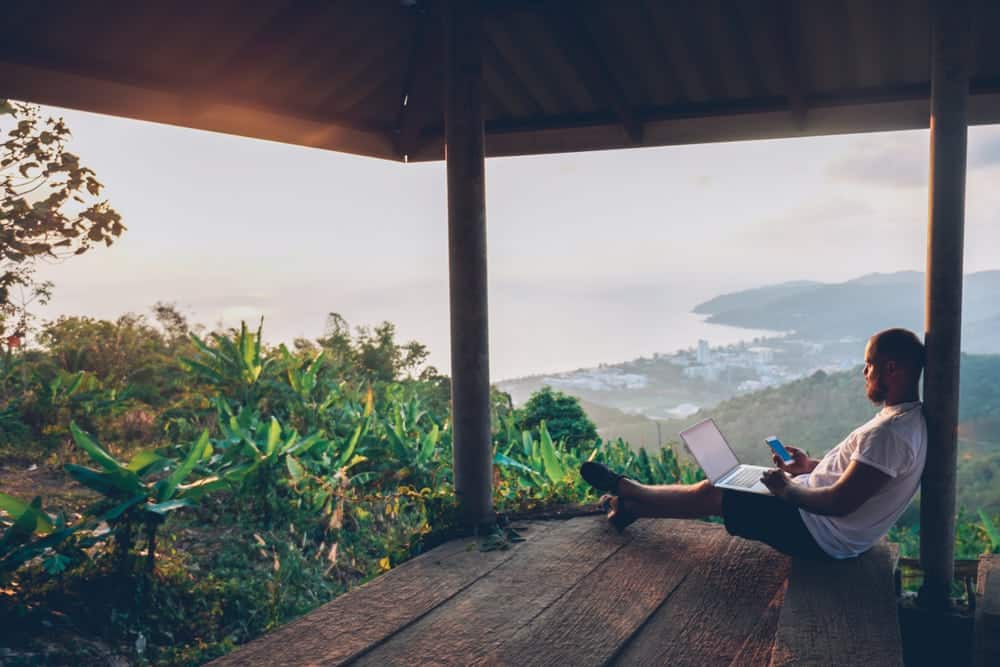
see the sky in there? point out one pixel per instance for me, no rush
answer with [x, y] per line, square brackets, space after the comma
[593, 257]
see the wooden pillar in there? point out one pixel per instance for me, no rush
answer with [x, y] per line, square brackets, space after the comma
[951, 37]
[465, 157]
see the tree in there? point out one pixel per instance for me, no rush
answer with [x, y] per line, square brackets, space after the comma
[563, 417]
[50, 209]
[374, 353]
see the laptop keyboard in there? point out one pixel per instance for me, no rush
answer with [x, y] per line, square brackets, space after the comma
[745, 478]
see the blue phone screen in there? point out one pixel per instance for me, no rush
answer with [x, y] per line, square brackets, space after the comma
[779, 449]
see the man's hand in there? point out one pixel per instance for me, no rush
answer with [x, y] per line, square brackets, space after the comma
[776, 481]
[800, 465]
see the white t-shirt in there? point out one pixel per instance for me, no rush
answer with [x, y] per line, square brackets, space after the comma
[895, 442]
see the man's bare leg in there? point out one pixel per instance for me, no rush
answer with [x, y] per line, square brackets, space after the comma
[677, 501]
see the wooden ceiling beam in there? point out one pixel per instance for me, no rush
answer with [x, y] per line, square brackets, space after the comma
[422, 91]
[789, 42]
[580, 49]
[838, 21]
[515, 92]
[737, 32]
[684, 62]
[513, 54]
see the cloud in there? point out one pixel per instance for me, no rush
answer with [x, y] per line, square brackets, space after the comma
[897, 162]
[984, 151]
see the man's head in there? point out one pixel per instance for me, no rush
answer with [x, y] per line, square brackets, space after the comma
[894, 359]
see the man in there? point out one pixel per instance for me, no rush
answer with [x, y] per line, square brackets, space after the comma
[835, 507]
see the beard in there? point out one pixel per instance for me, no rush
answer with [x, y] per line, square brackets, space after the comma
[876, 392]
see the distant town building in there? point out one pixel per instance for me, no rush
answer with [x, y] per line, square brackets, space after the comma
[704, 352]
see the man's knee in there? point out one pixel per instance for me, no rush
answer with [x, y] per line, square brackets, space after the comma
[710, 495]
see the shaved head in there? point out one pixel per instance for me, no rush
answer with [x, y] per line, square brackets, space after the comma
[901, 346]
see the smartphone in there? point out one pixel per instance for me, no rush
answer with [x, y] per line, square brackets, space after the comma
[779, 449]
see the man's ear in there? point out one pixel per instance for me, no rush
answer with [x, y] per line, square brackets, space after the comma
[891, 367]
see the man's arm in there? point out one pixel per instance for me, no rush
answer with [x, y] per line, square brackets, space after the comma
[858, 484]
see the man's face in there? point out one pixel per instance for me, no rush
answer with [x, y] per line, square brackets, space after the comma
[875, 385]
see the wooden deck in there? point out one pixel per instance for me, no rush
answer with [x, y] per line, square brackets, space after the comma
[576, 593]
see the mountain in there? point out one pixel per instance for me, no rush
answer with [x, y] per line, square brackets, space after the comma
[754, 298]
[857, 308]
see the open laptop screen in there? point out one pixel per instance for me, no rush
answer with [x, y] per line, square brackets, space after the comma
[705, 442]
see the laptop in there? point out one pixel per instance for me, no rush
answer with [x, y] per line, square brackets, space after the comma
[709, 447]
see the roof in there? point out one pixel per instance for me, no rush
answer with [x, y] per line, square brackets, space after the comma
[366, 76]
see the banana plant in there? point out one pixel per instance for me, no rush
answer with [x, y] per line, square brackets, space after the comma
[234, 365]
[30, 532]
[991, 531]
[135, 493]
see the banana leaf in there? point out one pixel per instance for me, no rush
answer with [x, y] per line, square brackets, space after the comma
[168, 506]
[430, 442]
[110, 484]
[507, 462]
[554, 468]
[95, 451]
[197, 489]
[197, 453]
[294, 468]
[273, 435]
[41, 523]
[991, 531]
[352, 445]
[120, 509]
[147, 462]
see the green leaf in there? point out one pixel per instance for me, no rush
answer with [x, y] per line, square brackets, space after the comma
[168, 506]
[56, 564]
[146, 461]
[204, 486]
[507, 462]
[991, 531]
[90, 446]
[117, 511]
[553, 466]
[107, 484]
[273, 436]
[430, 442]
[346, 455]
[294, 468]
[196, 454]
[18, 508]
[304, 445]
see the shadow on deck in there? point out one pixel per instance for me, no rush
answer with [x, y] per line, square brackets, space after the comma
[576, 593]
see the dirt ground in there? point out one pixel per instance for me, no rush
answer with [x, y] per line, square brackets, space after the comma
[58, 490]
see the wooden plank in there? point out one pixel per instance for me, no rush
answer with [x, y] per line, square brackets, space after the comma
[571, 35]
[840, 613]
[492, 610]
[757, 648]
[589, 624]
[666, 28]
[709, 618]
[527, 73]
[987, 626]
[353, 622]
